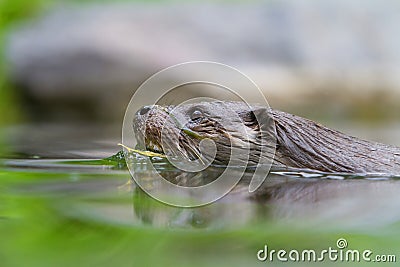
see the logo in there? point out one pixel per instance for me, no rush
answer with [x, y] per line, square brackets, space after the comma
[340, 253]
[197, 83]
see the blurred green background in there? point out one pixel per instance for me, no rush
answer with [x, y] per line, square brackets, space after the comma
[79, 62]
[63, 96]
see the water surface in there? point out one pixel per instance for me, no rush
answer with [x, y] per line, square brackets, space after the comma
[61, 204]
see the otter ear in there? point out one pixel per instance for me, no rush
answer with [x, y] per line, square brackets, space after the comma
[257, 117]
[261, 120]
[262, 113]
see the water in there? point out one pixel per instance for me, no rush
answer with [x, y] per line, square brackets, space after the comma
[57, 210]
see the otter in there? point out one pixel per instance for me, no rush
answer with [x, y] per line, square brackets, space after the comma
[297, 142]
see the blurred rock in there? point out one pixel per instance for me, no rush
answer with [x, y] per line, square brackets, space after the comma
[86, 61]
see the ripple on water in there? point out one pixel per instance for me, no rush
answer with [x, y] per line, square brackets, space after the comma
[101, 190]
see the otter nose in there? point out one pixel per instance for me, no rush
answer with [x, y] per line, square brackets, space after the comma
[144, 110]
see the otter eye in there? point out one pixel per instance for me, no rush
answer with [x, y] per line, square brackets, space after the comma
[197, 114]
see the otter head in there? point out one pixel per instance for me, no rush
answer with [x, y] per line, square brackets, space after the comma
[228, 125]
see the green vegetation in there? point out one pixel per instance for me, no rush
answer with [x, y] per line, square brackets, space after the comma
[10, 13]
[66, 219]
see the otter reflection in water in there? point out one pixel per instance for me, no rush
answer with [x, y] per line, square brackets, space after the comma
[319, 201]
